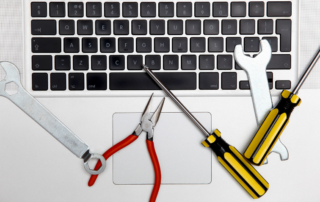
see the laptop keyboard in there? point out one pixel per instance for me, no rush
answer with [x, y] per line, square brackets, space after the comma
[101, 46]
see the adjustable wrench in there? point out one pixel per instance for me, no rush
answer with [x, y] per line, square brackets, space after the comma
[46, 119]
[256, 71]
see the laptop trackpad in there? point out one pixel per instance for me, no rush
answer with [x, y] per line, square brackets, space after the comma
[182, 158]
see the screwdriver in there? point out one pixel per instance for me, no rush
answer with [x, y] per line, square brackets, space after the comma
[228, 156]
[275, 123]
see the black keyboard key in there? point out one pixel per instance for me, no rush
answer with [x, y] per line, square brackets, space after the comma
[220, 9]
[215, 44]
[184, 9]
[125, 45]
[197, 44]
[58, 81]
[43, 27]
[39, 9]
[281, 85]
[247, 27]
[107, 45]
[206, 62]
[232, 42]
[134, 62]
[103, 27]
[229, 27]
[284, 29]
[62, 62]
[148, 9]
[97, 81]
[280, 61]
[279, 9]
[209, 81]
[157, 27]
[166, 9]
[130, 9]
[229, 81]
[224, 62]
[211, 27]
[139, 27]
[71, 45]
[76, 81]
[40, 81]
[98, 62]
[175, 27]
[179, 44]
[80, 62]
[237, 67]
[244, 85]
[161, 45]
[143, 45]
[251, 44]
[66, 27]
[171, 62]
[94, 9]
[89, 45]
[112, 9]
[202, 9]
[256, 9]
[75, 9]
[270, 79]
[46, 45]
[238, 9]
[265, 26]
[121, 27]
[57, 9]
[116, 62]
[85, 27]
[273, 41]
[193, 27]
[188, 62]
[41, 62]
[153, 62]
[141, 81]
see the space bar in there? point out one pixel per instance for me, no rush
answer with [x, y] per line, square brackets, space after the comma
[141, 81]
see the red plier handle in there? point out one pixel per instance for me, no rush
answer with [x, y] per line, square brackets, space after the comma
[153, 156]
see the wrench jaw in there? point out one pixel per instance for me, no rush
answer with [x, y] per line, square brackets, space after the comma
[12, 75]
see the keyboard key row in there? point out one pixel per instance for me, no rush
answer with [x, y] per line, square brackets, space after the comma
[158, 27]
[165, 9]
[141, 81]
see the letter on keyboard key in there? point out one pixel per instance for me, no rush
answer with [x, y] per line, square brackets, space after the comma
[58, 81]
[107, 45]
[111, 9]
[97, 81]
[193, 27]
[85, 27]
[171, 62]
[209, 81]
[43, 27]
[188, 62]
[66, 27]
[279, 9]
[116, 62]
[39, 9]
[229, 80]
[229, 27]
[134, 62]
[42, 62]
[157, 27]
[125, 45]
[46, 45]
[80, 62]
[103, 27]
[211, 27]
[197, 44]
[76, 81]
[143, 45]
[179, 44]
[141, 81]
[71, 45]
[175, 27]
[139, 27]
[284, 29]
[98, 62]
[89, 45]
[161, 44]
[215, 44]
[153, 62]
[40, 81]
[280, 61]
[121, 27]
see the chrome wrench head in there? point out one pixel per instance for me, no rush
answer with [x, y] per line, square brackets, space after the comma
[256, 71]
[46, 119]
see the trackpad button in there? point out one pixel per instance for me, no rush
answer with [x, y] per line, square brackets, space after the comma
[182, 158]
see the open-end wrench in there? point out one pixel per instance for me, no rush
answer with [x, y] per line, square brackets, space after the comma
[259, 86]
[46, 119]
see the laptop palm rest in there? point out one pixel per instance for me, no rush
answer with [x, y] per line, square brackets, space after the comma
[183, 159]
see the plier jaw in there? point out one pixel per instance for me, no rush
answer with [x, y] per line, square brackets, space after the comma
[148, 123]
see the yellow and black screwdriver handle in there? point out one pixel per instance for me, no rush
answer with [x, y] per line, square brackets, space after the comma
[237, 165]
[271, 129]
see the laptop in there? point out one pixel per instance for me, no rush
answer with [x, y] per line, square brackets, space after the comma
[83, 61]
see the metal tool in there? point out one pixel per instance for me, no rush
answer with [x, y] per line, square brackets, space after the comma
[276, 121]
[259, 86]
[228, 156]
[146, 124]
[44, 118]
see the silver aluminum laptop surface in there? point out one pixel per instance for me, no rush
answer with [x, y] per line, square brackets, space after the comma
[35, 167]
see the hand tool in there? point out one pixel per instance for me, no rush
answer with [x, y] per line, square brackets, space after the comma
[259, 86]
[228, 156]
[45, 118]
[275, 123]
[146, 124]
